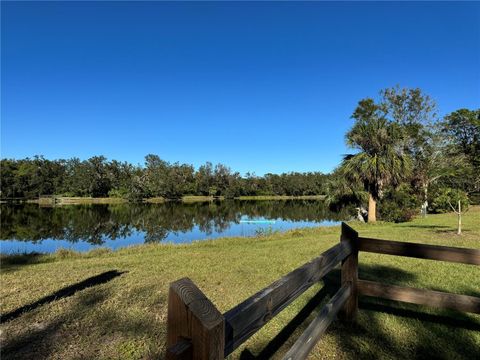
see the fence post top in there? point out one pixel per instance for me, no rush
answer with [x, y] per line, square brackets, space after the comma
[197, 302]
[348, 230]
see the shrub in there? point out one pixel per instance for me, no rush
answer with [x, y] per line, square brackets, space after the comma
[118, 193]
[63, 253]
[399, 205]
[444, 198]
[99, 251]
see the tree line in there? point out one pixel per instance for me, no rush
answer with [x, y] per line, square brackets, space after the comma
[405, 158]
[99, 177]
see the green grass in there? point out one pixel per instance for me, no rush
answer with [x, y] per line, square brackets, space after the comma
[77, 200]
[125, 318]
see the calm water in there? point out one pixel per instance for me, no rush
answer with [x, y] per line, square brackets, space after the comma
[29, 227]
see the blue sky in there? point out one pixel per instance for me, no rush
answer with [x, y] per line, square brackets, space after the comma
[261, 87]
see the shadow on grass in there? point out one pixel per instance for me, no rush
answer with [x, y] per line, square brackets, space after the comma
[13, 261]
[451, 319]
[442, 334]
[424, 226]
[84, 327]
[385, 274]
[53, 338]
[452, 231]
[62, 293]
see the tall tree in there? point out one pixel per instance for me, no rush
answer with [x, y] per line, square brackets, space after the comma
[381, 160]
[416, 113]
[462, 127]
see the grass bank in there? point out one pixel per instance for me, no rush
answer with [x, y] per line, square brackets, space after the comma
[65, 200]
[282, 197]
[76, 200]
[185, 199]
[125, 315]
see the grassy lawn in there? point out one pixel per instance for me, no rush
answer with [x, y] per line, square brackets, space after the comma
[125, 318]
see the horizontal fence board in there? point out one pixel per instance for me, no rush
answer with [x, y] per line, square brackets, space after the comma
[318, 326]
[422, 251]
[420, 296]
[245, 319]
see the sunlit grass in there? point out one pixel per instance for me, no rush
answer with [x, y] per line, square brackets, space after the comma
[126, 317]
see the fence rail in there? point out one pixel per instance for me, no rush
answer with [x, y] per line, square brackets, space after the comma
[197, 330]
[245, 319]
[422, 251]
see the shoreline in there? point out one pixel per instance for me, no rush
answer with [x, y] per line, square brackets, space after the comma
[77, 200]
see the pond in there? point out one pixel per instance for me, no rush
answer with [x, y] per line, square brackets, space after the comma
[33, 228]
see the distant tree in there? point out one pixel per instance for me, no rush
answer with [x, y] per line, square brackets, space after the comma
[222, 175]
[462, 127]
[381, 161]
[156, 171]
[8, 179]
[204, 179]
[415, 112]
[100, 179]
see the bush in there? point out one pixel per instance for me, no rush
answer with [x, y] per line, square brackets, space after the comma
[399, 205]
[444, 198]
[118, 193]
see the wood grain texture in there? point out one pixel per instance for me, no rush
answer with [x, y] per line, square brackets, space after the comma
[318, 326]
[422, 251]
[245, 319]
[420, 296]
[181, 350]
[350, 273]
[192, 316]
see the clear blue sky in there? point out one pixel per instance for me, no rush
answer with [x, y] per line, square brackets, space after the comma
[262, 87]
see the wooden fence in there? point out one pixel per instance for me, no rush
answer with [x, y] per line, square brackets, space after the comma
[197, 330]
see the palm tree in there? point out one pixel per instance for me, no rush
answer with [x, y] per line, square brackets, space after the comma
[381, 161]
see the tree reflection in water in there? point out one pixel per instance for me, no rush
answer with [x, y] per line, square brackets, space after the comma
[96, 223]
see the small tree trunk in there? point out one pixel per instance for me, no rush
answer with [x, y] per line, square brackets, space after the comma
[459, 232]
[372, 209]
[425, 200]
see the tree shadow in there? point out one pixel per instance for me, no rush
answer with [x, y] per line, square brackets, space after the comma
[371, 337]
[424, 226]
[452, 231]
[62, 293]
[385, 274]
[13, 261]
[451, 319]
[432, 327]
[69, 330]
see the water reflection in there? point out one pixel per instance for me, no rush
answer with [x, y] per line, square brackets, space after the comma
[97, 224]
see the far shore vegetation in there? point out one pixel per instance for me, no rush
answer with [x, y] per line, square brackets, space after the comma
[406, 160]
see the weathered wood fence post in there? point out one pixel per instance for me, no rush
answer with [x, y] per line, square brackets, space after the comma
[350, 273]
[196, 329]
